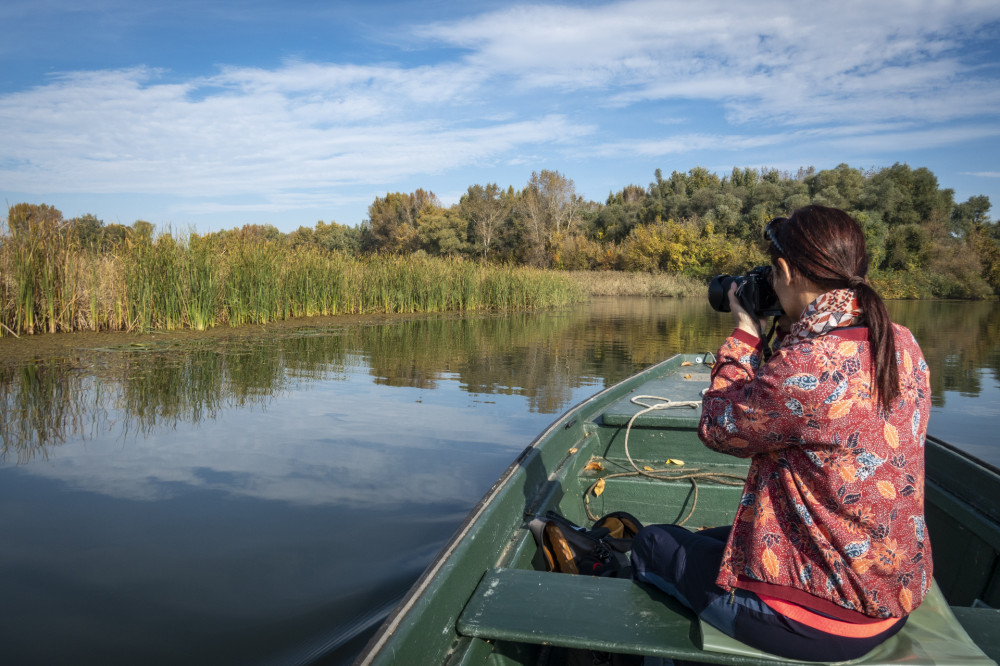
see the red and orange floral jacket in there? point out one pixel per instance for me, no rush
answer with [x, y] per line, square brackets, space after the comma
[833, 503]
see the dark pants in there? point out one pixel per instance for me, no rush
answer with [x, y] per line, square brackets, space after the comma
[685, 564]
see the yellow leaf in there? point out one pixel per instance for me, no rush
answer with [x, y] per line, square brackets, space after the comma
[687, 376]
[840, 409]
[862, 566]
[847, 349]
[675, 461]
[770, 561]
[848, 473]
[891, 435]
[573, 450]
[686, 364]
[886, 489]
[593, 464]
[906, 599]
[647, 468]
[599, 488]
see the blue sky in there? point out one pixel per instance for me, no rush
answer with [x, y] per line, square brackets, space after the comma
[206, 115]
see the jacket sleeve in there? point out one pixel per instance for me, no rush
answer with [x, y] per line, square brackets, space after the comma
[749, 408]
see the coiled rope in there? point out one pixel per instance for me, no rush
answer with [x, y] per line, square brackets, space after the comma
[666, 475]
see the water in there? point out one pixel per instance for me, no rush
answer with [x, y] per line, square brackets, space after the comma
[267, 498]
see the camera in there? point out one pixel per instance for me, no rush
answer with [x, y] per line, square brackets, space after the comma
[753, 291]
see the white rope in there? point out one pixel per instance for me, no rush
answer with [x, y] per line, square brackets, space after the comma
[665, 403]
[664, 475]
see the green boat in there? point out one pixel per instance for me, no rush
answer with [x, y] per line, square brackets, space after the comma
[487, 599]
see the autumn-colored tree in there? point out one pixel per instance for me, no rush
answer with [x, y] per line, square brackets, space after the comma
[549, 205]
[487, 209]
[392, 221]
[24, 216]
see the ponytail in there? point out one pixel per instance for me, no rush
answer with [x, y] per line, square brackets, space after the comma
[882, 340]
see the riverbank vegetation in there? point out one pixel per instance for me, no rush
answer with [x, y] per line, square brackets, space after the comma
[642, 283]
[53, 280]
[488, 251]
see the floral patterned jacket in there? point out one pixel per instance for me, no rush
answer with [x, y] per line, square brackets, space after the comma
[833, 503]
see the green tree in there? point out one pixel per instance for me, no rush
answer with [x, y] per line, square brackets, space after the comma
[984, 239]
[114, 235]
[143, 229]
[88, 230]
[264, 232]
[906, 196]
[840, 187]
[301, 237]
[443, 232]
[338, 237]
[974, 211]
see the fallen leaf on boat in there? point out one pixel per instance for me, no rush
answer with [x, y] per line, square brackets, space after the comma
[573, 450]
[647, 468]
[599, 488]
[674, 461]
[687, 376]
[593, 464]
[686, 363]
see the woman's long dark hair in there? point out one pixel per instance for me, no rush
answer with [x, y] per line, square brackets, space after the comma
[827, 246]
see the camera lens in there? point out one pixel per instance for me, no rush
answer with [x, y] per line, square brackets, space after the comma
[718, 292]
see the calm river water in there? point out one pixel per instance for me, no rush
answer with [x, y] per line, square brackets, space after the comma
[268, 498]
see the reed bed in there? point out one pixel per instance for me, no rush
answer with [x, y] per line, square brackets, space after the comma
[619, 283]
[49, 283]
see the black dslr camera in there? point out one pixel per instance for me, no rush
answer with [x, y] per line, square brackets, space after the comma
[754, 292]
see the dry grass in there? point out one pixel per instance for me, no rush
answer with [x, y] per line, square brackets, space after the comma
[620, 283]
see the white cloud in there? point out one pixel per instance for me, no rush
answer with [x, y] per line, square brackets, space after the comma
[545, 81]
[249, 130]
[686, 143]
[807, 62]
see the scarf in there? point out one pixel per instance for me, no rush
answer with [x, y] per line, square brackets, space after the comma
[834, 309]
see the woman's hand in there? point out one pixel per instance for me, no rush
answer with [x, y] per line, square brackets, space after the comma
[744, 320]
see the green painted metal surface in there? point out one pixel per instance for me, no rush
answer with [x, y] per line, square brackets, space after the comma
[607, 614]
[552, 474]
[615, 615]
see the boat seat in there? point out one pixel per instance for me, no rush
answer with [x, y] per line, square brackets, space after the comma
[684, 387]
[619, 615]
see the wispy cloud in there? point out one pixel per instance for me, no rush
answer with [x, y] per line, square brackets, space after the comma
[525, 82]
[250, 130]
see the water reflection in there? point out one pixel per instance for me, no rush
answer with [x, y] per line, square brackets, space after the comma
[543, 357]
[265, 499]
[960, 340]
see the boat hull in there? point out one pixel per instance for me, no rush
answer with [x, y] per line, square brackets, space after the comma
[558, 470]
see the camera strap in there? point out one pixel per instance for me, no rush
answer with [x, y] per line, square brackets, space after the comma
[767, 339]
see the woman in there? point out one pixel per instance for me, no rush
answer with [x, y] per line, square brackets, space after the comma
[828, 553]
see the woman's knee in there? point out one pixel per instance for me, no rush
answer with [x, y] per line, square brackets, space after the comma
[656, 547]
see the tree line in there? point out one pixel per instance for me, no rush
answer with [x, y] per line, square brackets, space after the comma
[696, 223]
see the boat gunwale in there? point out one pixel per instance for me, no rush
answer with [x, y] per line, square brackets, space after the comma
[975, 460]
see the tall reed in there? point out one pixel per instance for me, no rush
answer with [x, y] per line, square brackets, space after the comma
[143, 283]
